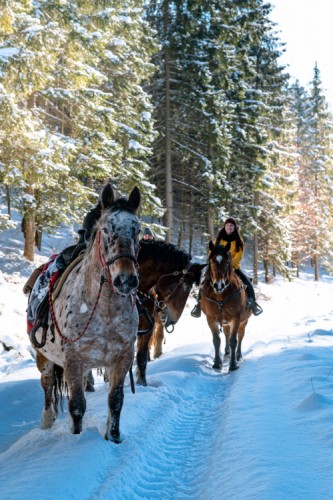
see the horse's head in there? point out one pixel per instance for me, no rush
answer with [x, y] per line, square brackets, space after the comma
[219, 262]
[173, 291]
[117, 236]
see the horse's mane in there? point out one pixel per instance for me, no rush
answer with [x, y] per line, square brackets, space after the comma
[162, 251]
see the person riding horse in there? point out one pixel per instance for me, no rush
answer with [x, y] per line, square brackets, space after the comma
[229, 235]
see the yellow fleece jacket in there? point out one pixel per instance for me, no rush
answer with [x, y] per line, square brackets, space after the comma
[236, 256]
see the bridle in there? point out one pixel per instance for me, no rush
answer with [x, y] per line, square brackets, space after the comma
[221, 303]
[162, 304]
[106, 263]
[226, 273]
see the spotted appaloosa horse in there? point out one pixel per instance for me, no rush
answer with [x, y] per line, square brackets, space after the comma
[166, 276]
[94, 318]
[224, 302]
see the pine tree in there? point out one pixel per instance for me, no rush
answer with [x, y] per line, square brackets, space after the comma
[316, 172]
[72, 73]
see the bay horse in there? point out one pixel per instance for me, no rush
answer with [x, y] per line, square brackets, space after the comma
[94, 318]
[224, 302]
[166, 277]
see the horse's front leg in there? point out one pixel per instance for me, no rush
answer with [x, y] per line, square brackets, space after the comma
[157, 337]
[50, 381]
[214, 327]
[226, 331]
[76, 401]
[241, 333]
[233, 344]
[117, 376]
[142, 350]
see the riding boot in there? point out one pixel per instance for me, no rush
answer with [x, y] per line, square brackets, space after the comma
[255, 308]
[251, 299]
[196, 311]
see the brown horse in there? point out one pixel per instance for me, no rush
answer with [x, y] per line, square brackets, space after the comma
[94, 319]
[166, 277]
[224, 302]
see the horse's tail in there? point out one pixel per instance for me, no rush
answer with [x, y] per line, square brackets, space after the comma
[59, 387]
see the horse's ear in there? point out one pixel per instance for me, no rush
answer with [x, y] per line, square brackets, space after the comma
[107, 197]
[135, 198]
[211, 245]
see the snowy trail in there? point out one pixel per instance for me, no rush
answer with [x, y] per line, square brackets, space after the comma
[185, 426]
[263, 432]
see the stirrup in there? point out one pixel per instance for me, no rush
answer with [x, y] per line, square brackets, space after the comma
[196, 311]
[257, 309]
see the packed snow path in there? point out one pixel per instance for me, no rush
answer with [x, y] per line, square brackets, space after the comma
[263, 432]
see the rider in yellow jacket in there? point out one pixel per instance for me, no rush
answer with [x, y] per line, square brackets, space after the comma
[229, 235]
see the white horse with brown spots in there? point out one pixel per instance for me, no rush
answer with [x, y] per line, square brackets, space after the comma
[94, 317]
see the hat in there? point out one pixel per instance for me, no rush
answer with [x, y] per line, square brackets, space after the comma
[230, 220]
[147, 231]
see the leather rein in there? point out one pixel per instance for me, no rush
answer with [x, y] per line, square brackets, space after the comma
[161, 305]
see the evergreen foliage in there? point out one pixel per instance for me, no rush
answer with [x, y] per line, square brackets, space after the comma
[73, 106]
[184, 98]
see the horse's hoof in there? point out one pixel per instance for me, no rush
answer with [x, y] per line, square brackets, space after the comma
[142, 382]
[90, 388]
[77, 428]
[217, 366]
[113, 439]
[233, 367]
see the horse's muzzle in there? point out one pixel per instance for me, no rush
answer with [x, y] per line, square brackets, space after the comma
[219, 286]
[124, 284]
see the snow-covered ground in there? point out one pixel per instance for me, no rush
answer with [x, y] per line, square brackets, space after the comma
[263, 432]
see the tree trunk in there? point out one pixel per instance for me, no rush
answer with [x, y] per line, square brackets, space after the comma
[29, 236]
[210, 223]
[38, 238]
[168, 164]
[9, 210]
[316, 267]
[266, 267]
[29, 228]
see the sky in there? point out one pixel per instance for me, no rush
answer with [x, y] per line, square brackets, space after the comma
[262, 432]
[306, 28]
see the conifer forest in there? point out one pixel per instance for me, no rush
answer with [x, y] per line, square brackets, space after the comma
[186, 99]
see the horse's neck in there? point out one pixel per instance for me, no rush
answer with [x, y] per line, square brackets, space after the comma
[92, 270]
[234, 280]
[149, 275]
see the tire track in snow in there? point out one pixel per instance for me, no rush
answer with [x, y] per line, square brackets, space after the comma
[170, 471]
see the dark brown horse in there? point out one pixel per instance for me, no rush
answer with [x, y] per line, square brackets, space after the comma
[224, 302]
[94, 319]
[166, 277]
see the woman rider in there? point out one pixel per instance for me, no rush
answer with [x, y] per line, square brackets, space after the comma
[229, 234]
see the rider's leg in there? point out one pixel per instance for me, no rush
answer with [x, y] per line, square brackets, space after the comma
[256, 309]
[196, 311]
